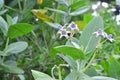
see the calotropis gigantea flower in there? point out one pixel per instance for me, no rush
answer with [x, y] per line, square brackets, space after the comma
[63, 32]
[73, 26]
[100, 32]
[95, 13]
[105, 5]
[118, 19]
[109, 37]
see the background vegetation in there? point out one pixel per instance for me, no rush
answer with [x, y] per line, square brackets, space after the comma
[28, 36]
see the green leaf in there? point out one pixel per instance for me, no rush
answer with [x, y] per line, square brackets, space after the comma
[87, 18]
[78, 4]
[40, 76]
[105, 65]
[54, 25]
[3, 26]
[75, 53]
[76, 75]
[114, 69]
[2, 53]
[10, 63]
[91, 72]
[16, 47]
[65, 2]
[1, 3]
[15, 19]
[103, 78]
[69, 60]
[87, 39]
[3, 11]
[80, 11]
[10, 69]
[9, 19]
[19, 29]
[58, 11]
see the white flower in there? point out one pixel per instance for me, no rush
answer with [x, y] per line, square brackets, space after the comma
[36, 19]
[94, 6]
[63, 33]
[98, 3]
[95, 13]
[111, 10]
[118, 19]
[105, 5]
[118, 2]
[73, 26]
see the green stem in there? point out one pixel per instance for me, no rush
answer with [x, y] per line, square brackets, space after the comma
[6, 47]
[94, 54]
[59, 73]
[90, 62]
[19, 6]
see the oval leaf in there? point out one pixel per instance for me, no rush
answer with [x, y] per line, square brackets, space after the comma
[102, 78]
[17, 47]
[58, 11]
[19, 29]
[87, 39]
[3, 26]
[1, 3]
[40, 76]
[11, 69]
[75, 53]
[80, 11]
[76, 75]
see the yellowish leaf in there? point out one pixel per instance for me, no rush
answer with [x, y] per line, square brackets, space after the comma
[39, 1]
[80, 24]
[41, 15]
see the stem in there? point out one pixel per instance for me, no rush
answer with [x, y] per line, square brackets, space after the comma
[59, 73]
[94, 54]
[52, 71]
[6, 47]
[19, 6]
[90, 62]
[10, 8]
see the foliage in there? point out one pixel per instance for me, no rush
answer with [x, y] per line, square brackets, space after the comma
[30, 47]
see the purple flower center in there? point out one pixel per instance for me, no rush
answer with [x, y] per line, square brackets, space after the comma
[73, 25]
[100, 32]
[63, 32]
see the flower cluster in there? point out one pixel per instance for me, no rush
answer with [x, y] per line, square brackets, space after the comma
[116, 13]
[100, 32]
[67, 30]
[97, 5]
